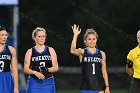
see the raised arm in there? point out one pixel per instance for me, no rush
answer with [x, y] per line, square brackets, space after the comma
[14, 67]
[76, 32]
[29, 71]
[104, 71]
[54, 67]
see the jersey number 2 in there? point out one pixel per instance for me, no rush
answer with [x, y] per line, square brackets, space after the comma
[42, 64]
[1, 66]
[93, 68]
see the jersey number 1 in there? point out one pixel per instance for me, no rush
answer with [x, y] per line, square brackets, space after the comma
[93, 68]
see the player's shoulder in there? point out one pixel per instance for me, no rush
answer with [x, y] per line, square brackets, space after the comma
[134, 50]
[11, 48]
[29, 51]
[101, 51]
[81, 50]
[50, 49]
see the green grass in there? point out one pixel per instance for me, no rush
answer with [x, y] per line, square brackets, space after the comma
[77, 91]
[68, 91]
[119, 91]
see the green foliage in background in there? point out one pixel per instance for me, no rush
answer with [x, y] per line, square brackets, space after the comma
[114, 21]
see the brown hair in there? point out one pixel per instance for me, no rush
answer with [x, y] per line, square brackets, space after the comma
[37, 30]
[2, 28]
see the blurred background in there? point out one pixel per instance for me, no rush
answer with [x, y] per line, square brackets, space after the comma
[116, 22]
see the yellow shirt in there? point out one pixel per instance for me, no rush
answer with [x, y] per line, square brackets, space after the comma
[134, 56]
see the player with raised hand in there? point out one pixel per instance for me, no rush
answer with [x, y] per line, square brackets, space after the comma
[94, 78]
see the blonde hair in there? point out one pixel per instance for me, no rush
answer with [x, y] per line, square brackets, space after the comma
[34, 33]
[138, 32]
[89, 31]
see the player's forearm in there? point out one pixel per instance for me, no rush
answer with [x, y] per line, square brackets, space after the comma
[106, 81]
[15, 77]
[53, 69]
[73, 44]
[129, 72]
[29, 71]
[105, 75]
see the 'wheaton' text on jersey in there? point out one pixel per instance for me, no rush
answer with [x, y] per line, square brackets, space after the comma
[92, 59]
[44, 57]
[8, 57]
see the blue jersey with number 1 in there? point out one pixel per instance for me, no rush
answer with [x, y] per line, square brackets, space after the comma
[92, 77]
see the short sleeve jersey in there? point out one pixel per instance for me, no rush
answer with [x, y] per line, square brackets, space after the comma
[134, 56]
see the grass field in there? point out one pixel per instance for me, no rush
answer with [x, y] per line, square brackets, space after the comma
[77, 91]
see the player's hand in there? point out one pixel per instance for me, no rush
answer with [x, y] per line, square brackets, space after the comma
[44, 70]
[76, 29]
[39, 75]
[107, 90]
[16, 90]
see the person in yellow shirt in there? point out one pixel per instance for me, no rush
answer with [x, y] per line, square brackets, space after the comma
[133, 66]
